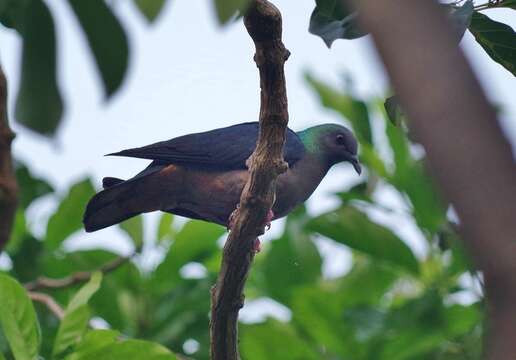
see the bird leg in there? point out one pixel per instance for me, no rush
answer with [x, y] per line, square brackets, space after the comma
[257, 246]
[268, 218]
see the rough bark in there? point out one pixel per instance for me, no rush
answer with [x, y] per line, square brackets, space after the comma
[466, 149]
[8, 186]
[263, 22]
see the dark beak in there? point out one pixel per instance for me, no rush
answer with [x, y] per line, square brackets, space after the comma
[354, 161]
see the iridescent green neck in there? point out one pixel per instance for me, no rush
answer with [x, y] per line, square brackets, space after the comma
[310, 138]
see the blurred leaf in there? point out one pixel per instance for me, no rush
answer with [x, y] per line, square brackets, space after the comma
[367, 322]
[354, 229]
[134, 228]
[119, 285]
[273, 340]
[11, 12]
[415, 328]
[18, 320]
[30, 186]
[461, 319]
[497, 39]
[18, 233]
[150, 8]
[165, 229]
[412, 178]
[331, 21]
[226, 9]
[71, 330]
[93, 341]
[107, 40]
[394, 111]
[352, 109]
[128, 350]
[365, 285]
[292, 260]
[460, 17]
[86, 292]
[196, 241]
[318, 314]
[68, 217]
[77, 315]
[357, 192]
[38, 104]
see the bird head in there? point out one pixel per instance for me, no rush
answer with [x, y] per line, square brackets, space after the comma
[333, 142]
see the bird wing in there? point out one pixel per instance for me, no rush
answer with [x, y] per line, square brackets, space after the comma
[224, 148]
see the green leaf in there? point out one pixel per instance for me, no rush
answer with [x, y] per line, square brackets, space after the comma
[38, 104]
[150, 8]
[318, 314]
[128, 350]
[411, 178]
[68, 217]
[86, 292]
[394, 111]
[30, 186]
[134, 228]
[292, 260]
[227, 9]
[497, 39]
[77, 314]
[107, 40]
[508, 3]
[92, 342]
[350, 227]
[461, 319]
[274, 340]
[71, 330]
[330, 20]
[196, 241]
[18, 320]
[351, 108]
[460, 17]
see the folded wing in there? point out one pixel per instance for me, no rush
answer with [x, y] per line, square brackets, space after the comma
[224, 148]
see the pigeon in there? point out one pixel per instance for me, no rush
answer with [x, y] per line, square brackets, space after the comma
[201, 176]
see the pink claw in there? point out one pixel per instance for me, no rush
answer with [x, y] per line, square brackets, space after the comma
[257, 246]
[268, 219]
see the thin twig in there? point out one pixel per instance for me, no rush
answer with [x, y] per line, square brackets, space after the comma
[43, 282]
[263, 22]
[8, 185]
[49, 302]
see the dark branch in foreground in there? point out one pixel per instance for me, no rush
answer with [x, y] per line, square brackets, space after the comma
[76, 278]
[466, 149]
[263, 22]
[8, 186]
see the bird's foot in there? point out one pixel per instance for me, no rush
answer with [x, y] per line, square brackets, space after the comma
[257, 246]
[268, 219]
[232, 218]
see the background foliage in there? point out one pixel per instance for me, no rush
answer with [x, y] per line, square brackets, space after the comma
[391, 304]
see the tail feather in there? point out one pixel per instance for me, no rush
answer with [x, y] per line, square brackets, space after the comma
[121, 200]
[107, 208]
[108, 182]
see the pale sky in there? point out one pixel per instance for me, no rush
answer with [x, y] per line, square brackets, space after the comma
[186, 75]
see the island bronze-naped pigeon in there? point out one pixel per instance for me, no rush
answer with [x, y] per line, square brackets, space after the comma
[201, 176]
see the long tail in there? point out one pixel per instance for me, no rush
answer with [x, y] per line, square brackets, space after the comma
[119, 201]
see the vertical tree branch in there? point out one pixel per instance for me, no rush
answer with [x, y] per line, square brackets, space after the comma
[8, 187]
[466, 149]
[263, 22]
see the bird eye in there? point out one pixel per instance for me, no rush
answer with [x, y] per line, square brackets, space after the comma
[340, 139]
